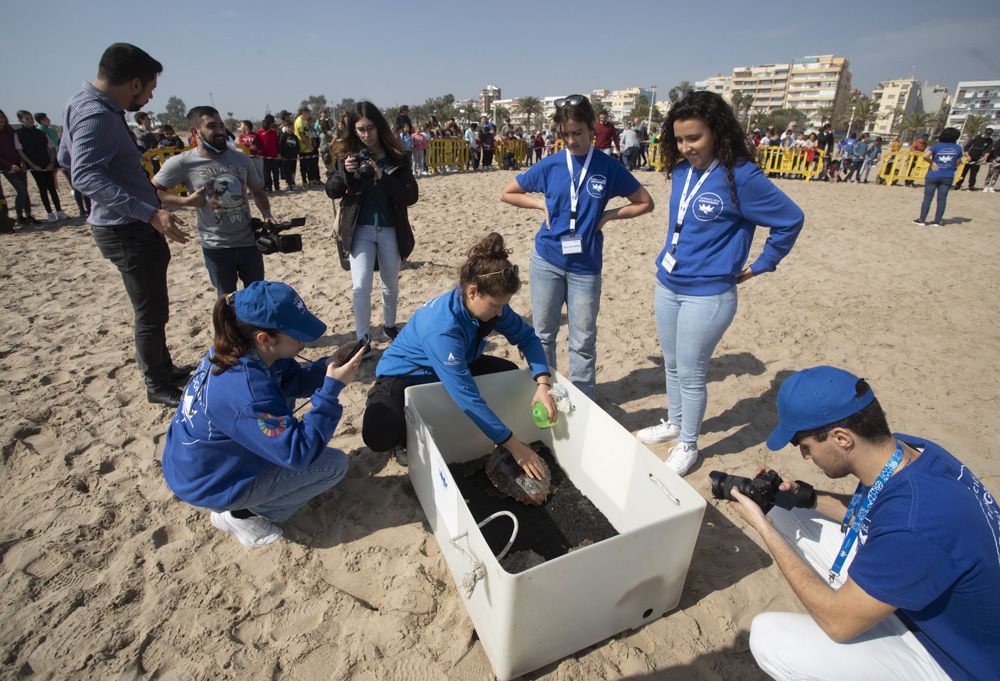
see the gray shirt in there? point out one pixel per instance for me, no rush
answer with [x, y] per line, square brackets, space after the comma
[629, 138]
[104, 162]
[224, 220]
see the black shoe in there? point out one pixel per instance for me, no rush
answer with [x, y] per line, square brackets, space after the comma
[391, 332]
[168, 396]
[180, 375]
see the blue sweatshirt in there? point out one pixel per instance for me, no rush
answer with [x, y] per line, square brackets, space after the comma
[230, 428]
[716, 236]
[442, 339]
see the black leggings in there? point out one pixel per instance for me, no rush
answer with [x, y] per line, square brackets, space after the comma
[384, 424]
[272, 173]
[45, 180]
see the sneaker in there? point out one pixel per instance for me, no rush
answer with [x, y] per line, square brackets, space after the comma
[681, 457]
[391, 332]
[933, 224]
[920, 222]
[400, 454]
[661, 432]
[252, 532]
[61, 215]
[52, 218]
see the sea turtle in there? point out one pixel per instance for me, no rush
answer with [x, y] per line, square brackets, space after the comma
[511, 480]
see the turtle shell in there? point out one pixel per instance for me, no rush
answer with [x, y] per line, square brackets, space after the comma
[511, 480]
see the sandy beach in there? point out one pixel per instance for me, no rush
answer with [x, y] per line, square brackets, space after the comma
[105, 575]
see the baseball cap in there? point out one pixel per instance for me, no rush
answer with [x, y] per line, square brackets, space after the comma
[813, 398]
[273, 305]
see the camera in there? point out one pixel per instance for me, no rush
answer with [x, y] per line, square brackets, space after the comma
[763, 490]
[365, 171]
[270, 239]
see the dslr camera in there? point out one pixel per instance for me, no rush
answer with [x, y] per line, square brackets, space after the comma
[763, 490]
[270, 239]
[365, 171]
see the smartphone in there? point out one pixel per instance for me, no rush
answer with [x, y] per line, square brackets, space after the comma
[363, 346]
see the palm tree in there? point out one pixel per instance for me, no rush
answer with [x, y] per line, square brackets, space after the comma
[824, 114]
[528, 107]
[913, 123]
[500, 114]
[742, 101]
[974, 125]
[679, 91]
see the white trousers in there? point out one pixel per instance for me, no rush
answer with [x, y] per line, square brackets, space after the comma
[791, 646]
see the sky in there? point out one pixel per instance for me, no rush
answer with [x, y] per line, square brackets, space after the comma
[252, 56]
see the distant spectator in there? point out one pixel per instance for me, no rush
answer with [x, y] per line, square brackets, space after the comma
[39, 154]
[268, 138]
[15, 170]
[288, 147]
[993, 158]
[419, 139]
[403, 117]
[169, 138]
[147, 138]
[327, 137]
[487, 140]
[872, 156]
[308, 159]
[630, 147]
[472, 139]
[606, 135]
[976, 150]
[918, 146]
[250, 141]
[944, 158]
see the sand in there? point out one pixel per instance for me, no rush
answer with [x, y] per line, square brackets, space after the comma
[105, 575]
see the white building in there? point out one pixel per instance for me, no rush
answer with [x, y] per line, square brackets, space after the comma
[487, 96]
[721, 85]
[977, 97]
[903, 97]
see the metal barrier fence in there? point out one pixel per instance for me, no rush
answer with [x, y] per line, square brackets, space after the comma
[908, 166]
[442, 153]
[518, 147]
[791, 161]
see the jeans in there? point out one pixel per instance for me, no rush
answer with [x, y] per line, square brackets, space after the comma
[792, 646]
[272, 173]
[22, 204]
[866, 168]
[854, 169]
[941, 185]
[551, 287]
[369, 243]
[141, 255]
[278, 492]
[418, 162]
[629, 157]
[384, 424]
[225, 264]
[689, 328]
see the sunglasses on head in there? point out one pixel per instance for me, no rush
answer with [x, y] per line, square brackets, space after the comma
[506, 271]
[572, 100]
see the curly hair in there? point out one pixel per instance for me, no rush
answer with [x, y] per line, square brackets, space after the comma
[489, 268]
[730, 141]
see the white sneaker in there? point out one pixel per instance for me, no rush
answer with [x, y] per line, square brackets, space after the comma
[61, 215]
[252, 532]
[52, 218]
[661, 432]
[681, 457]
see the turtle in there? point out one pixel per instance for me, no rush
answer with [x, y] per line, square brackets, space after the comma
[510, 479]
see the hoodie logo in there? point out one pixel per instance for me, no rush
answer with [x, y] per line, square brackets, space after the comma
[271, 425]
[708, 206]
[452, 360]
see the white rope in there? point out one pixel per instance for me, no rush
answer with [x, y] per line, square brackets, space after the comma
[477, 571]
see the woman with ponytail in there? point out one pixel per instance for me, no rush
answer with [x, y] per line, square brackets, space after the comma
[444, 341]
[235, 445]
[717, 200]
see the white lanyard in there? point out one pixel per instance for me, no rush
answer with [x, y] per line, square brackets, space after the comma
[574, 190]
[685, 201]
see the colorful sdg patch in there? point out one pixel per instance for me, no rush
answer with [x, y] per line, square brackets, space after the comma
[271, 425]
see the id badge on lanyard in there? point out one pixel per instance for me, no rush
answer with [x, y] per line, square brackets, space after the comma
[669, 260]
[572, 243]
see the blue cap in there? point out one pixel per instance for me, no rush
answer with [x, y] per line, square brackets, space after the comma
[813, 398]
[273, 305]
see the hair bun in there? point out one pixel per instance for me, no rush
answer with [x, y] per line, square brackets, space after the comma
[491, 246]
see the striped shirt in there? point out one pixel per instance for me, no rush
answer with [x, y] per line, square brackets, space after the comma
[104, 161]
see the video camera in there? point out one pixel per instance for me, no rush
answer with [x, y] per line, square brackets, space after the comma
[270, 240]
[763, 490]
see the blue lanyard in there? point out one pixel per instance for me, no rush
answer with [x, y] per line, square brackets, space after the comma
[862, 512]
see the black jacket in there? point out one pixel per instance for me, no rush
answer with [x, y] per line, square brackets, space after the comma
[399, 185]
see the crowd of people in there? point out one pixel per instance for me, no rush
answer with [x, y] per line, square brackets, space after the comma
[236, 448]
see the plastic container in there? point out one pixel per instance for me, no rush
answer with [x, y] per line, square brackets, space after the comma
[552, 610]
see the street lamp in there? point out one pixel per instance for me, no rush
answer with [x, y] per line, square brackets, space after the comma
[649, 118]
[851, 121]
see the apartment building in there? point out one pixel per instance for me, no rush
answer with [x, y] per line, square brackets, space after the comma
[898, 98]
[977, 97]
[719, 84]
[817, 82]
[487, 96]
[767, 84]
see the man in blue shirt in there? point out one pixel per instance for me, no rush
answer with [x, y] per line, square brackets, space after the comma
[911, 572]
[129, 225]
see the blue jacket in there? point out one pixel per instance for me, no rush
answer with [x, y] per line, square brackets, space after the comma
[230, 428]
[442, 339]
[716, 236]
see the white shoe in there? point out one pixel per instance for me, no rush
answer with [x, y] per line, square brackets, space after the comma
[61, 215]
[681, 457]
[252, 532]
[52, 218]
[661, 432]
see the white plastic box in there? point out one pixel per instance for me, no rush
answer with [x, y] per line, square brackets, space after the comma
[547, 612]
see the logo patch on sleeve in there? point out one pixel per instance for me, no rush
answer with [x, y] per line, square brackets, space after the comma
[271, 425]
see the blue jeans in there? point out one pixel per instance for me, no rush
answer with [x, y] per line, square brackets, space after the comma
[277, 493]
[368, 243]
[225, 264]
[689, 328]
[551, 287]
[941, 185]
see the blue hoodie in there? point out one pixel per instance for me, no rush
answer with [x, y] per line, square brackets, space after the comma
[230, 428]
[716, 236]
[442, 339]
